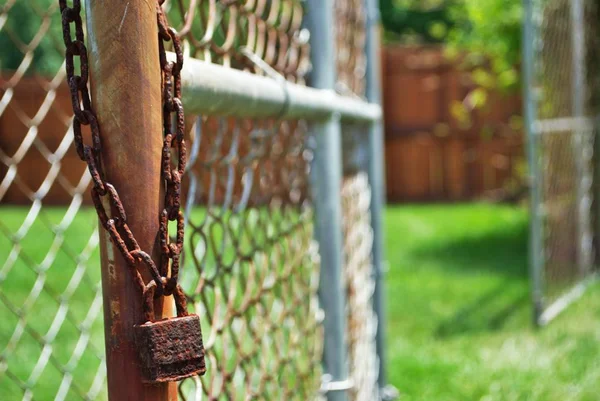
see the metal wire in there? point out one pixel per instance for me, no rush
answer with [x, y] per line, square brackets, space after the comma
[564, 76]
[252, 266]
[257, 267]
[360, 286]
[351, 63]
[216, 30]
[356, 196]
[51, 338]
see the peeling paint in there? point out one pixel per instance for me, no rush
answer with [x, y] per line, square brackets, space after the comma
[123, 19]
[115, 324]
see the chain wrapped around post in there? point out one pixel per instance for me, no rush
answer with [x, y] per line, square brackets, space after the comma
[170, 349]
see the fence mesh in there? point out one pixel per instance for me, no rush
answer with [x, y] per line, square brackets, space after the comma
[351, 60]
[256, 266]
[351, 63]
[565, 43]
[219, 31]
[362, 324]
[256, 269]
[51, 337]
[251, 264]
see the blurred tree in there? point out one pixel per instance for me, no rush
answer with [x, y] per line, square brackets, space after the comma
[483, 36]
[31, 37]
[486, 35]
[417, 21]
[488, 32]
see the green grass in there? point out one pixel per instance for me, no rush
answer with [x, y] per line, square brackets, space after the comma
[459, 325]
[458, 305]
[49, 280]
[48, 256]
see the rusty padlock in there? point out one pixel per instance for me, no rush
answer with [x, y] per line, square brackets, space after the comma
[170, 349]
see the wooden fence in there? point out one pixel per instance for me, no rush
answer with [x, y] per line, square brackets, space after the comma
[39, 163]
[431, 156]
[35, 114]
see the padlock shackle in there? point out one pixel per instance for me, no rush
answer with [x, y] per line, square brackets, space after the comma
[148, 300]
[144, 258]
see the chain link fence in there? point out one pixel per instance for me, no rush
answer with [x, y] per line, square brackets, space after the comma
[51, 337]
[351, 68]
[360, 286]
[561, 43]
[256, 271]
[256, 266]
[251, 262]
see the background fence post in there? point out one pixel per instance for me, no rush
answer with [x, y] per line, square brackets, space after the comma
[326, 178]
[536, 251]
[581, 151]
[126, 95]
[376, 162]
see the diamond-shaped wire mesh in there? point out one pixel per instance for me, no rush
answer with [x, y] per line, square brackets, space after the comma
[256, 269]
[565, 47]
[251, 263]
[360, 286]
[351, 62]
[254, 276]
[51, 338]
[217, 31]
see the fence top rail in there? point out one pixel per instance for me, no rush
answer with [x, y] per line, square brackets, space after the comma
[211, 89]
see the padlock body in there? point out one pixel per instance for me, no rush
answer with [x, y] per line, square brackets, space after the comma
[170, 349]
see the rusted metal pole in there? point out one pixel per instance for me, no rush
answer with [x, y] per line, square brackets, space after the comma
[126, 95]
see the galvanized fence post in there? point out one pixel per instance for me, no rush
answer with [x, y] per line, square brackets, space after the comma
[326, 179]
[581, 152]
[536, 242]
[376, 173]
[375, 151]
[126, 95]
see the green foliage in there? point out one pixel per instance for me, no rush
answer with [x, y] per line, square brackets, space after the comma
[423, 21]
[459, 312]
[490, 33]
[32, 37]
[487, 38]
[485, 35]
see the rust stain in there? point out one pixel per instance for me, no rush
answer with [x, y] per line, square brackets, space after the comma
[123, 19]
[148, 165]
[171, 349]
[115, 324]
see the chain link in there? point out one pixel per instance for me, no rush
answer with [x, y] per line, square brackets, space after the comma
[162, 282]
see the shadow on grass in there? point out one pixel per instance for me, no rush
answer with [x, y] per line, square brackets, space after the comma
[501, 252]
[488, 312]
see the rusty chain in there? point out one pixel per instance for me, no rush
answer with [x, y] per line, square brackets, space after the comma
[252, 263]
[162, 282]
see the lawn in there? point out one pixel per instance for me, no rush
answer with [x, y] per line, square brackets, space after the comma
[458, 304]
[51, 335]
[459, 325]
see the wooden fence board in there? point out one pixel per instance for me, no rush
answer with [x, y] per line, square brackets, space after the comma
[430, 155]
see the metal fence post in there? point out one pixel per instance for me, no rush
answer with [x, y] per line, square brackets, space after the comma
[326, 178]
[536, 246]
[581, 152]
[376, 163]
[126, 95]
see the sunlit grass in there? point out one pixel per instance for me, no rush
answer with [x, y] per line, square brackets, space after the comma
[51, 329]
[460, 316]
[458, 306]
